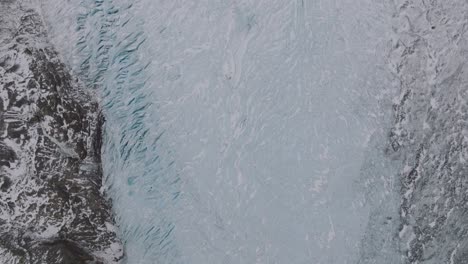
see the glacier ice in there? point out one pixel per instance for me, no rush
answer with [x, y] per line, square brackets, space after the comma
[241, 131]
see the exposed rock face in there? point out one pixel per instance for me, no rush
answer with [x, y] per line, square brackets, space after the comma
[52, 208]
[430, 133]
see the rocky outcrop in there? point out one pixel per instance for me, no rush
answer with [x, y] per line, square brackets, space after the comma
[430, 134]
[52, 209]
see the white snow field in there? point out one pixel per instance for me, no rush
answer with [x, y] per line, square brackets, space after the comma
[241, 131]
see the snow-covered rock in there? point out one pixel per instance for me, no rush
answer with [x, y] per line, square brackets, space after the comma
[52, 209]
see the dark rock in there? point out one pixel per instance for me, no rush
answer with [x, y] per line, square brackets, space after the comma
[429, 133]
[51, 207]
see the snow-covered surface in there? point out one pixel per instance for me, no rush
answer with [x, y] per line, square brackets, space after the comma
[276, 131]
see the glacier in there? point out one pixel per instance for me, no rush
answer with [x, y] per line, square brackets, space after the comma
[241, 131]
[258, 131]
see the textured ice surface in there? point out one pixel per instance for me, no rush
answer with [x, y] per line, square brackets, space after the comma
[242, 131]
